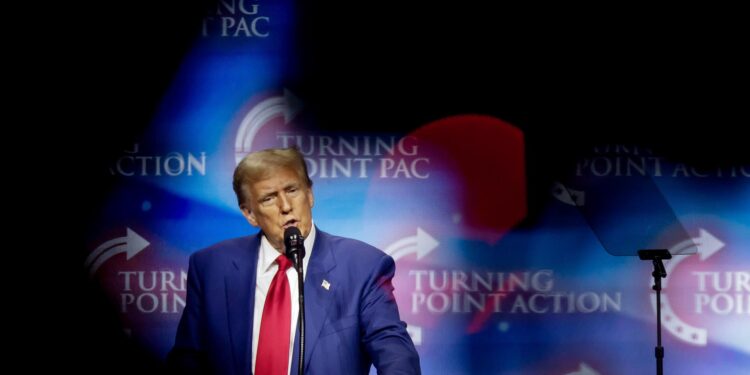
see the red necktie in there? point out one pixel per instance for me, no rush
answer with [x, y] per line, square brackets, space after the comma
[272, 357]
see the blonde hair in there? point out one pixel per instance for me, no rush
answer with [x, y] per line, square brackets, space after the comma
[260, 165]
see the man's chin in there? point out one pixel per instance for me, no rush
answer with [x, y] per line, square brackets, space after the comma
[305, 231]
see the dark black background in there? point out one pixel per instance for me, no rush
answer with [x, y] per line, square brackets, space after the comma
[673, 79]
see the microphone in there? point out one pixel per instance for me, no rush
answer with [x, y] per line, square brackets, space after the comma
[295, 246]
[295, 250]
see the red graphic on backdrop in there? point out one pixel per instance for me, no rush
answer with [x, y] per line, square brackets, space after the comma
[487, 156]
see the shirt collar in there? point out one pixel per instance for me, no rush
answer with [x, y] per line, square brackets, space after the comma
[268, 254]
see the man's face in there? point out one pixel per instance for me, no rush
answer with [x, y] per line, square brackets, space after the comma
[279, 202]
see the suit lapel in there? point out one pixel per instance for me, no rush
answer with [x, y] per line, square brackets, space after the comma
[317, 298]
[240, 296]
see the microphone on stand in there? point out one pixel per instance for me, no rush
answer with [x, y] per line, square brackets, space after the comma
[294, 246]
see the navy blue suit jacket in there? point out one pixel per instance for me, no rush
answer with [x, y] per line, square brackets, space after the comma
[349, 326]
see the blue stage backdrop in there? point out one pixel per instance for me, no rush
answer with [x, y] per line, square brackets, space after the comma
[482, 289]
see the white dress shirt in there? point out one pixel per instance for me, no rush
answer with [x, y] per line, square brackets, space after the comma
[266, 270]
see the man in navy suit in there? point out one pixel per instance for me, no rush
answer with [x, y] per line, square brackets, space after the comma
[352, 321]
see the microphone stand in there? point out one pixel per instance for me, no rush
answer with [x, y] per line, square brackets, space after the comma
[301, 318]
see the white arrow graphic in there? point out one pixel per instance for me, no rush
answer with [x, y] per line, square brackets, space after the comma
[569, 196]
[287, 106]
[422, 244]
[131, 244]
[583, 369]
[707, 245]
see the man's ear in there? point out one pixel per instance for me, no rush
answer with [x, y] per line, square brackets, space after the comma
[249, 215]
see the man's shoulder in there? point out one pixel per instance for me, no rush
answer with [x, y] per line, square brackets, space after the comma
[229, 248]
[351, 248]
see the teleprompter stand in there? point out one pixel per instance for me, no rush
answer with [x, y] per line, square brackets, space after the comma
[656, 256]
[628, 213]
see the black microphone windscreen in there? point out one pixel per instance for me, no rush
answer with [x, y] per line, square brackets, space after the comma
[291, 231]
[293, 243]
